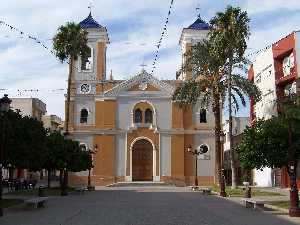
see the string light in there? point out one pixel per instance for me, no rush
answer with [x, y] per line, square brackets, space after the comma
[31, 37]
[161, 37]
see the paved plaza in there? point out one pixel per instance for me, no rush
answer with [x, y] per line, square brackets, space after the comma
[142, 206]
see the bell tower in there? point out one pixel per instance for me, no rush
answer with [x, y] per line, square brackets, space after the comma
[95, 63]
[191, 36]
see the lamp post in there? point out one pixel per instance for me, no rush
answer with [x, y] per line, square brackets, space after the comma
[294, 210]
[4, 107]
[196, 152]
[91, 153]
[64, 186]
[222, 176]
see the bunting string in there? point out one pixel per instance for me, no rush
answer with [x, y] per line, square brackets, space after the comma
[31, 37]
[161, 37]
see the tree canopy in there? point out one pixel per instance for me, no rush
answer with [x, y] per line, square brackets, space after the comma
[70, 42]
[266, 143]
[27, 145]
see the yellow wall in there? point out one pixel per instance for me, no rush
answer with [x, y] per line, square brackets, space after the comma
[101, 60]
[149, 88]
[177, 157]
[188, 48]
[177, 116]
[188, 118]
[104, 160]
[105, 117]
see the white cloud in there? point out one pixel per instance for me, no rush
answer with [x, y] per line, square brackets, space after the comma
[261, 6]
[25, 65]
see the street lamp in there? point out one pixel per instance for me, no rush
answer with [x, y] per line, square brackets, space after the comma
[196, 152]
[91, 152]
[294, 209]
[64, 186]
[222, 176]
[4, 107]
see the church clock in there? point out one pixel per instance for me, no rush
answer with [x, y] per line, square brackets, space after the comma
[85, 88]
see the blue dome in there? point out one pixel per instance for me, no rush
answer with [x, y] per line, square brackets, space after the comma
[199, 24]
[89, 22]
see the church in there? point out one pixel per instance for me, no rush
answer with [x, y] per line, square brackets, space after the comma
[139, 132]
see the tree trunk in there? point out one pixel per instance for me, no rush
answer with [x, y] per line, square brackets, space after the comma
[292, 171]
[66, 179]
[68, 96]
[61, 177]
[232, 157]
[49, 178]
[217, 115]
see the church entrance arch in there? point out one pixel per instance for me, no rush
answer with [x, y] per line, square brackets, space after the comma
[142, 160]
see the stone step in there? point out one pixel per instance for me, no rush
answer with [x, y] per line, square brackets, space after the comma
[140, 184]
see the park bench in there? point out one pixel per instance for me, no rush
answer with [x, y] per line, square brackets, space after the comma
[204, 190]
[254, 203]
[80, 190]
[36, 202]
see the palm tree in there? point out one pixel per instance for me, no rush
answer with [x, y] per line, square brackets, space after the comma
[70, 42]
[208, 86]
[230, 34]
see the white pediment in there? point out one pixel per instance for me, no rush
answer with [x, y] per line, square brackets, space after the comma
[141, 78]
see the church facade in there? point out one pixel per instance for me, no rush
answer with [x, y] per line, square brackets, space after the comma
[140, 133]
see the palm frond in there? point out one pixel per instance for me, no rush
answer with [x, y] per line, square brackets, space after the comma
[246, 86]
[187, 93]
[240, 94]
[235, 103]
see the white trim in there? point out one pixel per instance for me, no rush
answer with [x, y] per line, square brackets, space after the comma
[85, 93]
[155, 178]
[154, 122]
[143, 76]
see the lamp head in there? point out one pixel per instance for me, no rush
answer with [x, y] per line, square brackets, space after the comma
[5, 103]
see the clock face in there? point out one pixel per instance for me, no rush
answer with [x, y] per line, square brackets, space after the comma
[143, 86]
[85, 88]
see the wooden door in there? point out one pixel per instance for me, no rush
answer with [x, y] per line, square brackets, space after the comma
[142, 161]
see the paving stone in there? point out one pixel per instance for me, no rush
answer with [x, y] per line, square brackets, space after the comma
[141, 206]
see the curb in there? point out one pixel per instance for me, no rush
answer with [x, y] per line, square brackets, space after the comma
[268, 206]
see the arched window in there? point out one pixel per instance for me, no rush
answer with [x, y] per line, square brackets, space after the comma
[87, 60]
[84, 116]
[203, 118]
[138, 117]
[148, 116]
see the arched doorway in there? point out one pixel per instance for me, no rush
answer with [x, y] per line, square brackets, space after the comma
[142, 161]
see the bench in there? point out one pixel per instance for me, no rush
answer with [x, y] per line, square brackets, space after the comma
[80, 190]
[205, 191]
[254, 203]
[201, 189]
[36, 202]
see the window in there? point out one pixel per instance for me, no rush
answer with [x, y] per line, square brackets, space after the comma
[87, 60]
[203, 116]
[84, 116]
[138, 117]
[148, 116]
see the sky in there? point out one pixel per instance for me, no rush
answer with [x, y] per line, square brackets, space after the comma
[134, 28]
